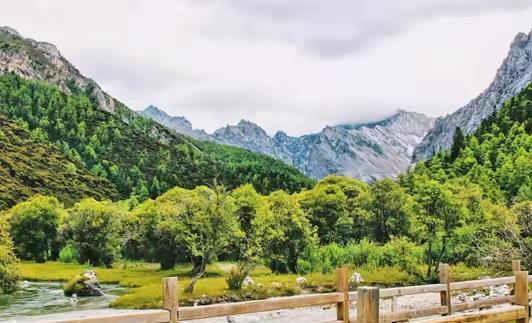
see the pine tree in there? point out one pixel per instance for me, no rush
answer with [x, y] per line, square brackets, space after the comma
[458, 144]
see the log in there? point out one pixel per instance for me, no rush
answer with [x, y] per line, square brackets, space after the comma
[368, 305]
[170, 298]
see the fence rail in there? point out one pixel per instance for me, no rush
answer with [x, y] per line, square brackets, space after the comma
[366, 298]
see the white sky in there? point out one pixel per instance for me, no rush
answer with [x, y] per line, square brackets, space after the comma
[291, 65]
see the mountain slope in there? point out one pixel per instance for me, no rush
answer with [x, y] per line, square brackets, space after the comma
[366, 151]
[138, 155]
[497, 156]
[513, 75]
[29, 166]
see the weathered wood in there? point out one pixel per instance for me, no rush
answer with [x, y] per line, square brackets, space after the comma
[521, 292]
[482, 283]
[445, 296]
[342, 285]
[270, 304]
[516, 265]
[394, 304]
[368, 305]
[495, 315]
[170, 298]
[411, 290]
[412, 314]
[147, 316]
[482, 303]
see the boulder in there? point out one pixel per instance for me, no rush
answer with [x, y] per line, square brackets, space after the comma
[356, 278]
[301, 280]
[85, 284]
[248, 281]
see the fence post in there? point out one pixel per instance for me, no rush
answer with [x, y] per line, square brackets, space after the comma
[342, 283]
[445, 297]
[170, 298]
[521, 292]
[368, 305]
[516, 265]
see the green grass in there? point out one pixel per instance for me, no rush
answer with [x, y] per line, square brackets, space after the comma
[144, 280]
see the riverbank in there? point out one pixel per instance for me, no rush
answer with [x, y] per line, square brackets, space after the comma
[144, 281]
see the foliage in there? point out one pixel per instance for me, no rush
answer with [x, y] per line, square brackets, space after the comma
[286, 232]
[69, 255]
[29, 166]
[33, 228]
[497, 157]
[94, 229]
[9, 275]
[137, 155]
[235, 278]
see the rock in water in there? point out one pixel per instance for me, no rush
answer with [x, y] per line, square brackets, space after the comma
[83, 285]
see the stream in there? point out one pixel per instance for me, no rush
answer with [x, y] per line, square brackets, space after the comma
[37, 298]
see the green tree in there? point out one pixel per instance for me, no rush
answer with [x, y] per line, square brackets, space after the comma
[389, 207]
[458, 143]
[286, 232]
[34, 228]
[9, 276]
[94, 229]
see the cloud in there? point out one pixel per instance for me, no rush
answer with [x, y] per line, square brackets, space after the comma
[340, 27]
[288, 65]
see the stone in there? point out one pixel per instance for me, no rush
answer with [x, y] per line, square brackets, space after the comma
[247, 281]
[499, 291]
[86, 284]
[356, 278]
[301, 280]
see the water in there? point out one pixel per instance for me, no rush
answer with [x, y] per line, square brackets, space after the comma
[37, 298]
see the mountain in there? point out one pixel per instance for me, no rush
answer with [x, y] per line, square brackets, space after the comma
[511, 77]
[45, 94]
[35, 60]
[31, 166]
[366, 151]
[179, 124]
[497, 156]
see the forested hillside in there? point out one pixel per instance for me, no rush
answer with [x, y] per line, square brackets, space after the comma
[497, 157]
[29, 166]
[139, 156]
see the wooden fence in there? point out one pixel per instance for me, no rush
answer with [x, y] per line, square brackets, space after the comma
[366, 298]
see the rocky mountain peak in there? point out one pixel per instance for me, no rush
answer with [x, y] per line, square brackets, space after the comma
[512, 76]
[35, 60]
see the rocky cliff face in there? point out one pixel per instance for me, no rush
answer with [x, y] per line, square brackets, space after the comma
[42, 61]
[513, 75]
[179, 124]
[366, 151]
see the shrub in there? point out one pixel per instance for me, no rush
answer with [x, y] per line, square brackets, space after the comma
[8, 270]
[235, 277]
[69, 254]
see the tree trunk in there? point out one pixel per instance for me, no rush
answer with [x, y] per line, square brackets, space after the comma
[199, 273]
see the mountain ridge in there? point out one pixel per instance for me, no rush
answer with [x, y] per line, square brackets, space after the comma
[337, 149]
[511, 77]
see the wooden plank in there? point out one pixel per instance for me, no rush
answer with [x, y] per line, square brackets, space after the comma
[412, 314]
[482, 303]
[342, 283]
[395, 304]
[147, 316]
[411, 290]
[496, 315]
[368, 305]
[170, 298]
[270, 304]
[445, 296]
[482, 283]
[521, 292]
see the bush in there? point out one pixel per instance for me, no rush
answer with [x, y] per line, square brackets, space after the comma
[235, 277]
[69, 254]
[8, 270]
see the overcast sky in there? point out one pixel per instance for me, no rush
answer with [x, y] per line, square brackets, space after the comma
[292, 65]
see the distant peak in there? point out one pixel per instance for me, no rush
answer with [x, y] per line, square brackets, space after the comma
[10, 30]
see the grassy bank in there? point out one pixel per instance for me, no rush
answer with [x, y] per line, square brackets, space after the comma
[144, 280]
